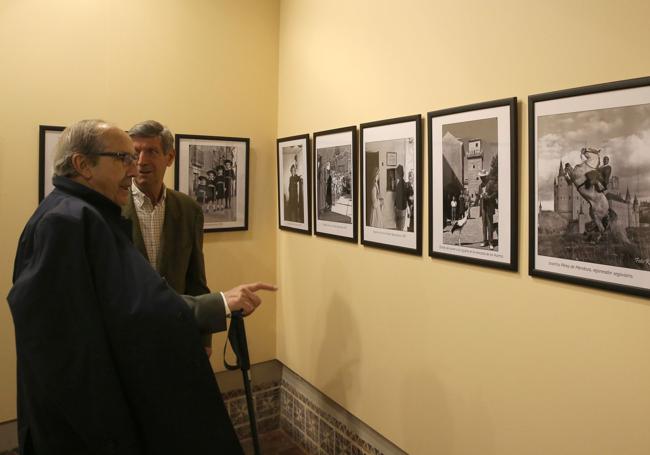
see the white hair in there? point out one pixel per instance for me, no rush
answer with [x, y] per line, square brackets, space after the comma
[83, 137]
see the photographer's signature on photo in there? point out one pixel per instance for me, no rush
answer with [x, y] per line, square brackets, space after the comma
[642, 261]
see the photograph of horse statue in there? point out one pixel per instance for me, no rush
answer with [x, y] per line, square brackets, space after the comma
[594, 186]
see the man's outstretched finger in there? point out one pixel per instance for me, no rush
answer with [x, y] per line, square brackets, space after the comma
[259, 286]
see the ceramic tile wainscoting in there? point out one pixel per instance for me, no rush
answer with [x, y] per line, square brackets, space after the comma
[320, 426]
[266, 397]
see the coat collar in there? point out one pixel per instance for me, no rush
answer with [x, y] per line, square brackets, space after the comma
[97, 200]
[109, 210]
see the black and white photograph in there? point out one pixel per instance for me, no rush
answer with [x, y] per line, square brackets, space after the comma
[335, 183]
[590, 186]
[48, 136]
[473, 183]
[391, 180]
[213, 170]
[294, 184]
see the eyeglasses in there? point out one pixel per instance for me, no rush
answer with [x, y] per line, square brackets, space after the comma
[125, 157]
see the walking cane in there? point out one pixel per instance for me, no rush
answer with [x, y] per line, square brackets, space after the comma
[237, 338]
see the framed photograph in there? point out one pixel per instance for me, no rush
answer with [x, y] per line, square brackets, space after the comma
[213, 170]
[392, 193]
[473, 184]
[590, 186]
[294, 184]
[391, 159]
[335, 184]
[48, 136]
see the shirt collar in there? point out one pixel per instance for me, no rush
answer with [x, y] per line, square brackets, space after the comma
[139, 198]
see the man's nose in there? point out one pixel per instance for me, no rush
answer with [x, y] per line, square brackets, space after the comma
[141, 158]
[132, 168]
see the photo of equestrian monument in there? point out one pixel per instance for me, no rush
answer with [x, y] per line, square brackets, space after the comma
[593, 183]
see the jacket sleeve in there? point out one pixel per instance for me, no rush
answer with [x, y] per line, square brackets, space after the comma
[209, 312]
[196, 283]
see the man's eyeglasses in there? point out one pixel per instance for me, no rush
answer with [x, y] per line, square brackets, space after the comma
[125, 157]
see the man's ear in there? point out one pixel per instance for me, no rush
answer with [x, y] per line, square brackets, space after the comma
[82, 165]
[170, 157]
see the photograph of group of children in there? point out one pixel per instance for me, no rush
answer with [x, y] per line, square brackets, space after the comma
[213, 173]
[214, 181]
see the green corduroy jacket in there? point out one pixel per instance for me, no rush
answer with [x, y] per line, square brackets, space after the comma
[180, 260]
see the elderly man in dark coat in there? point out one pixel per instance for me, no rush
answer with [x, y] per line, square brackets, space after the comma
[110, 359]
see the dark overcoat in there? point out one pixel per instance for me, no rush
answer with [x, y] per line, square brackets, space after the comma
[109, 356]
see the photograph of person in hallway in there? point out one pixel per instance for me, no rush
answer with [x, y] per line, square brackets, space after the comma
[390, 172]
[387, 209]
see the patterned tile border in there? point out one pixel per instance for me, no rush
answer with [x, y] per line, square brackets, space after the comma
[316, 431]
[266, 399]
[278, 404]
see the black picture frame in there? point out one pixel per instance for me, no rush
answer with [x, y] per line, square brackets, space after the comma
[294, 216]
[380, 227]
[338, 218]
[48, 136]
[199, 161]
[571, 186]
[464, 142]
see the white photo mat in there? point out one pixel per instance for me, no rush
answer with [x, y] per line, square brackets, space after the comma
[503, 254]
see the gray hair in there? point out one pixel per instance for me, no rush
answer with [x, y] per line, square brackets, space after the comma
[152, 128]
[83, 137]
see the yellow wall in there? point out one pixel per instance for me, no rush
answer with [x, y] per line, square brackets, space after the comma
[200, 66]
[440, 357]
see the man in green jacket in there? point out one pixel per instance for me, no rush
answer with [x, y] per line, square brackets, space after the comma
[167, 224]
